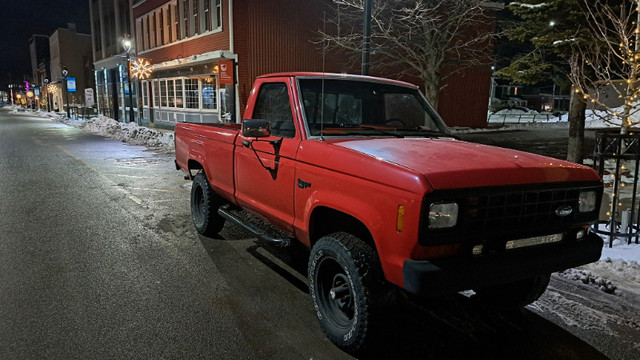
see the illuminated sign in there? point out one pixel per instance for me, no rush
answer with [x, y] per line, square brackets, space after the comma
[225, 72]
[71, 84]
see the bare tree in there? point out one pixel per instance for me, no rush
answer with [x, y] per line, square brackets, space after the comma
[416, 37]
[611, 64]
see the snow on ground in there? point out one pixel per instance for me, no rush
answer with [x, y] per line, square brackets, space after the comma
[595, 119]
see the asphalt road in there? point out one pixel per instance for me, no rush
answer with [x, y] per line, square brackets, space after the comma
[99, 260]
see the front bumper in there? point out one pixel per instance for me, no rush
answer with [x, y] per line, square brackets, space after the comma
[446, 276]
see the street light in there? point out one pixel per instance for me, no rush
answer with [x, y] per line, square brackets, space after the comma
[126, 44]
[65, 72]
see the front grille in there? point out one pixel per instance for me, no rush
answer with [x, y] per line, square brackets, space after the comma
[490, 214]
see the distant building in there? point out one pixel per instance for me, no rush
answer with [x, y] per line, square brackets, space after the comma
[110, 24]
[40, 58]
[72, 51]
[40, 67]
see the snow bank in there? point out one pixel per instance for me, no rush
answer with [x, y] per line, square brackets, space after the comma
[129, 132]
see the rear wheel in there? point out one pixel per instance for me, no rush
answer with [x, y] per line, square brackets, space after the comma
[345, 281]
[516, 294]
[204, 207]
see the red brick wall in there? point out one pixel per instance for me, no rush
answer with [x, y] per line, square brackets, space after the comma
[188, 47]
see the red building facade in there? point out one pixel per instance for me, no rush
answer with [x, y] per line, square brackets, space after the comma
[186, 41]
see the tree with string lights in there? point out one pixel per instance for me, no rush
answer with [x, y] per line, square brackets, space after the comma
[613, 65]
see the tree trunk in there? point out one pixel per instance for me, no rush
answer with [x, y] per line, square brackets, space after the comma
[577, 108]
[432, 93]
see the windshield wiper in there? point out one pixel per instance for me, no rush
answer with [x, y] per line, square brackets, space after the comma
[359, 129]
[382, 132]
[428, 132]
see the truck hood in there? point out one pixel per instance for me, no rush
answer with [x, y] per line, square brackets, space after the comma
[451, 164]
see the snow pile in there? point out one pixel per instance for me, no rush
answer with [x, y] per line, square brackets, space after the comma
[129, 132]
[625, 274]
[516, 111]
[588, 278]
[55, 117]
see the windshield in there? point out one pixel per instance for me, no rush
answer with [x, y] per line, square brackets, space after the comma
[351, 107]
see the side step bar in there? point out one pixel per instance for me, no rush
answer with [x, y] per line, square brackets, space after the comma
[225, 212]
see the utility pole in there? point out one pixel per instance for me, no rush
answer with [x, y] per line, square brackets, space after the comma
[366, 39]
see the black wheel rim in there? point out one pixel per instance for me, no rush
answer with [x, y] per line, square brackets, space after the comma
[335, 293]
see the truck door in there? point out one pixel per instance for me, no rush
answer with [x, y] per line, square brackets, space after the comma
[266, 184]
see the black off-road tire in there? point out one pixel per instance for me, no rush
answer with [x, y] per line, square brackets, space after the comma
[516, 294]
[345, 284]
[204, 207]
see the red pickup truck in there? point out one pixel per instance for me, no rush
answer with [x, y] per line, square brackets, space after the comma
[365, 173]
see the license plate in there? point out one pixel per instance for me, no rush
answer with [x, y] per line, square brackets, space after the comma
[533, 241]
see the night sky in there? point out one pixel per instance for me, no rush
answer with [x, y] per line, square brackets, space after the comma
[19, 20]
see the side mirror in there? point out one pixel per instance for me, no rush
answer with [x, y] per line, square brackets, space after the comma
[256, 128]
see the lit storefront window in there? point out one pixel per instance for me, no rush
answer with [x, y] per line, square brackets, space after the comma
[209, 94]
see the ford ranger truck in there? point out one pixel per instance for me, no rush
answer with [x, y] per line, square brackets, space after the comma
[364, 172]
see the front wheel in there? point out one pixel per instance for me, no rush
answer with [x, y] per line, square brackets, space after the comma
[204, 207]
[345, 280]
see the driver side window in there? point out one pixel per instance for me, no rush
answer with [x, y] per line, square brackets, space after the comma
[273, 105]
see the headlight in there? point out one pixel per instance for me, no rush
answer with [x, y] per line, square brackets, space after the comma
[587, 201]
[443, 215]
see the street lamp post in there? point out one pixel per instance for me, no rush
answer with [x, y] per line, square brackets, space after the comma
[34, 99]
[65, 72]
[126, 44]
[46, 93]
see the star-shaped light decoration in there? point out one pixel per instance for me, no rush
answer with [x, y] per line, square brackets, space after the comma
[141, 69]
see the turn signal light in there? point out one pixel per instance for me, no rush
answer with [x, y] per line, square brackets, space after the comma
[400, 219]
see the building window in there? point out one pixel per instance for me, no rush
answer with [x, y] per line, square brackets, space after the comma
[139, 42]
[178, 20]
[207, 15]
[163, 93]
[179, 94]
[145, 31]
[191, 93]
[195, 25]
[156, 93]
[175, 23]
[171, 93]
[145, 93]
[209, 101]
[185, 18]
[152, 31]
[218, 14]
[159, 27]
